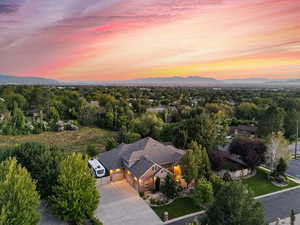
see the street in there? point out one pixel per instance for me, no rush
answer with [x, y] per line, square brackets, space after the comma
[279, 205]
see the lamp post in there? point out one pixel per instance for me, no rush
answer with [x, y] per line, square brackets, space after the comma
[297, 134]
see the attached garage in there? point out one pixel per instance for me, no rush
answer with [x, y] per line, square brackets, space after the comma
[116, 175]
[133, 182]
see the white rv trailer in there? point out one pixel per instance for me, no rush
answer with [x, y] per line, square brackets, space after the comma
[98, 169]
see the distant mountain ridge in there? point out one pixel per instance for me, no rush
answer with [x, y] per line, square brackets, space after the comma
[155, 81]
[18, 80]
[176, 79]
[248, 80]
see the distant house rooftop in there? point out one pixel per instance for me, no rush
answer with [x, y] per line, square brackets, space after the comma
[244, 129]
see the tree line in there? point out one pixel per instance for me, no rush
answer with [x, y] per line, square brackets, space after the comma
[32, 172]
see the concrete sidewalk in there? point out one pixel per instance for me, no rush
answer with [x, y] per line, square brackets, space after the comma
[287, 221]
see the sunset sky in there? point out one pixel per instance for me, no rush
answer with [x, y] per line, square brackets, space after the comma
[126, 39]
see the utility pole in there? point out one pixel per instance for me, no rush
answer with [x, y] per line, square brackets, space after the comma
[297, 134]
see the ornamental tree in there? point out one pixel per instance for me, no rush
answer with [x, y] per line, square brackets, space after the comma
[251, 151]
[277, 148]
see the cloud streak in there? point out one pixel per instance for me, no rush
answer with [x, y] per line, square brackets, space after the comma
[114, 40]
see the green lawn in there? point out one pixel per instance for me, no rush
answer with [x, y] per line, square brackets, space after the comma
[180, 207]
[260, 184]
[70, 141]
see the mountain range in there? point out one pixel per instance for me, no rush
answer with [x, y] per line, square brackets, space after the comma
[16, 80]
[155, 81]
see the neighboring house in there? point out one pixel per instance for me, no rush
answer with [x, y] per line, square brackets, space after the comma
[244, 130]
[156, 109]
[140, 163]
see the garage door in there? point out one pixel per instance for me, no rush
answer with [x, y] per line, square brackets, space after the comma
[117, 176]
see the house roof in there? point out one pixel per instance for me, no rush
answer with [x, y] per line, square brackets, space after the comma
[138, 156]
[141, 166]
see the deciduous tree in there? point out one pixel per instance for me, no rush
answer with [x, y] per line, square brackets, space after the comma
[252, 151]
[235, 205]
[75, 196]
[277, 148]
[203, 194]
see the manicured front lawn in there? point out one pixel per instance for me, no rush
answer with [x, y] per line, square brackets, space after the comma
[180, 207]
[260, 184]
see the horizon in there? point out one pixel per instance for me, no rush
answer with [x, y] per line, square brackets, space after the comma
[117, 41]
[161, 77]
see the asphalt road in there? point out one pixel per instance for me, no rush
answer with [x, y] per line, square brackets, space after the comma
[279, 205]
[294, 168]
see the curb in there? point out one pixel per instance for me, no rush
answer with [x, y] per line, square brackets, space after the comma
[202, 212]
[277, 192]
[184, 217]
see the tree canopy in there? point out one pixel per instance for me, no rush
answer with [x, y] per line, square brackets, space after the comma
[235, 205]
[75, 196]
[19, 200]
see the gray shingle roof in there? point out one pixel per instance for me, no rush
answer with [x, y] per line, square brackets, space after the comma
[141, 166]
[133, 154]
[112, 159]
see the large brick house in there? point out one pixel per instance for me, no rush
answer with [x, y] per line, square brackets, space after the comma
[140, 163]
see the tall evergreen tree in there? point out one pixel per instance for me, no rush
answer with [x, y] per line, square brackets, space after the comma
[202, 160]
[40, 160]
[19, 200]
[189, 166]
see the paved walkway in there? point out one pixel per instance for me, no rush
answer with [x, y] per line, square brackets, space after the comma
[120, 204]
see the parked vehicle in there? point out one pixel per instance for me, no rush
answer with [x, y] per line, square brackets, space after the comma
[98, 169]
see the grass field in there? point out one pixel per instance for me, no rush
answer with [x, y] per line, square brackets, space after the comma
[260, 184]
[180, 207]
[70, 141]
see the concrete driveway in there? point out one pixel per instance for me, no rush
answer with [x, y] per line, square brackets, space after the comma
[120, 204]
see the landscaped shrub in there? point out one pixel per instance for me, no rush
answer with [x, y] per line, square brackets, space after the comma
[142, 194]
[203, 194]
[227, 177]
[277, 177]
[169, 187]
[157, 184]
[282, 166]
[152, 201]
